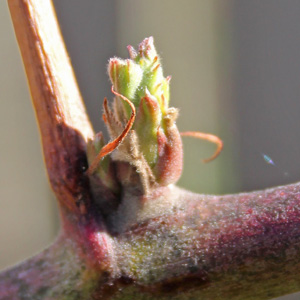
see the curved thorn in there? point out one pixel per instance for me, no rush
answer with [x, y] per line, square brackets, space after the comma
[108, 148]
[208, 137]
[105, 109]
[156, 68]
[168, 78]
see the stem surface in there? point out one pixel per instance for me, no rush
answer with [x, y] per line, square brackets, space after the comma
[63, 122]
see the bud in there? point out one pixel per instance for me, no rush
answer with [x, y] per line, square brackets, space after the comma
[149, 142]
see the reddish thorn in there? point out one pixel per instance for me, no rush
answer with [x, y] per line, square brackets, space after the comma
[161, 141]
[108, 148]
[104, 119]
[163, 100]
[208, 137]
[128, 67]
[132, 52]
[157, 86]
[104, 115]
[105, 106]
[156, 68]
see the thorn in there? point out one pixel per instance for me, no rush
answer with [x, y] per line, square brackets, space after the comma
[208, 137]
[105, 108]
[104, 119]
[163, 100]
[156, 68]
[104, 114]
[150, 40]
[132, 52]
[157, 87]
[108, 148]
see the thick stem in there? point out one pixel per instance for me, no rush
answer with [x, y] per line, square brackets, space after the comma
[61, 115]
[58, 272]
[243, 246]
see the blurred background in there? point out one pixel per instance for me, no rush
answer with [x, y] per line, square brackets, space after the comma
[235, 69]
